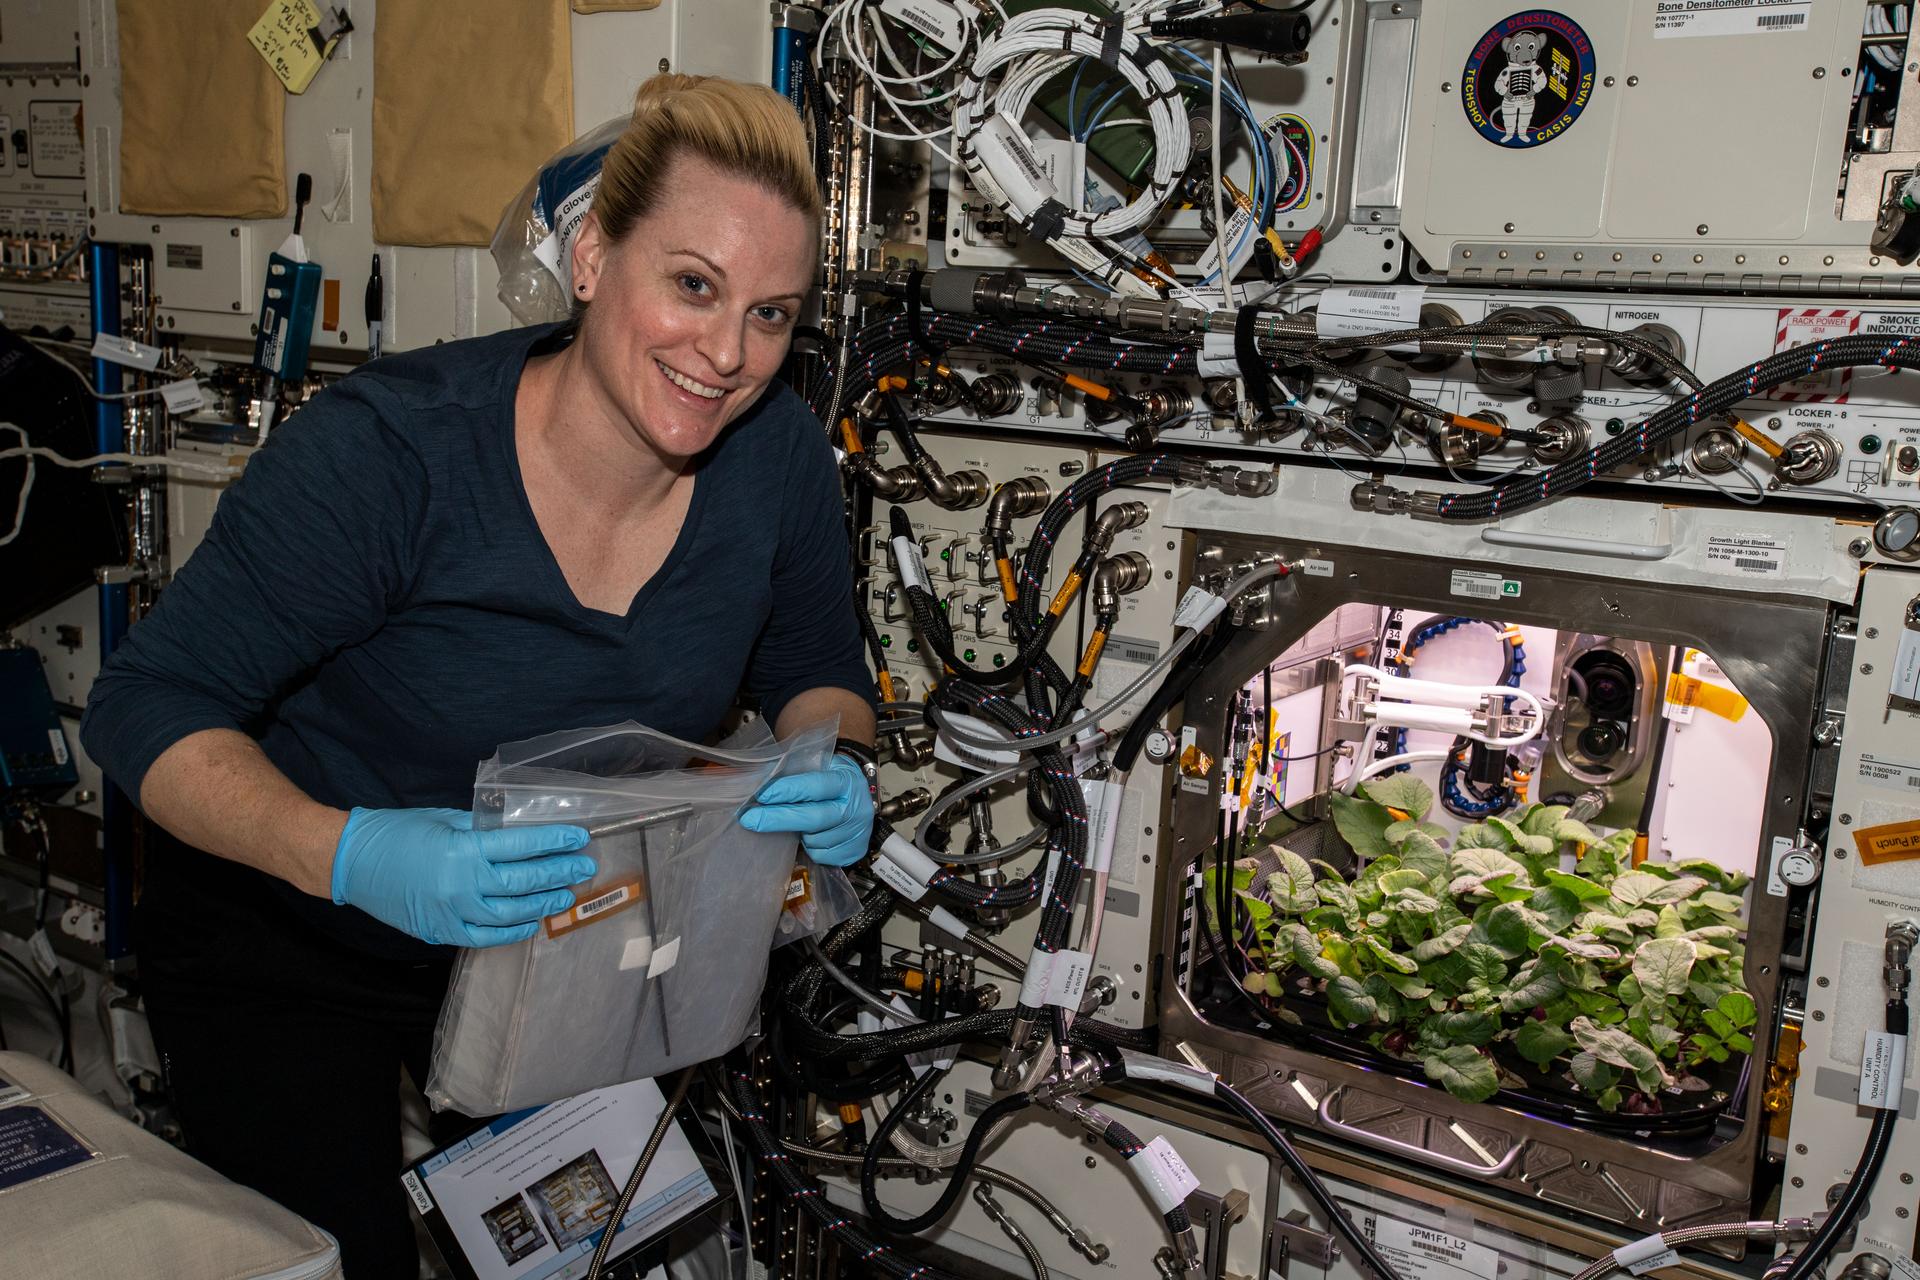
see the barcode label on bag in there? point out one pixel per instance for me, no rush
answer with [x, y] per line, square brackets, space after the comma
[598, 907]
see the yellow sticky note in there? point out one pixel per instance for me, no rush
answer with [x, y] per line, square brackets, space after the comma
[282, 38]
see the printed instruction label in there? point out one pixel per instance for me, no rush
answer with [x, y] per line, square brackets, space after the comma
[1169, 1180]
[1776, 887]
[1421, 1253]
[1752, 554]
[1730, 17]
[1350, 312]
[1883, 1070]
[1893, 773]
[1476, 585]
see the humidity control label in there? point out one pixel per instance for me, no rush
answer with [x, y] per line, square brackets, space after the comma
[1754, 555]
[1421, 1253]
[1475, 585]
[1730, 17]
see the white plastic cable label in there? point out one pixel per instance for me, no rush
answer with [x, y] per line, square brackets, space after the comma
[1067, 978]
[1197, 608]
[1144, 1066]
[1169, 1181]
[1649, 1254]
[948, 923]
[913, 570]
[1363, 309]
[965, 754]
[1103, 820]
[1007, 153]
[1053, 869]
[937, 20]
[40, 947]
[1033, 986]
[125, 351]
[1216, 357]
[1883, 1070]
[183, 396]
[903, 868]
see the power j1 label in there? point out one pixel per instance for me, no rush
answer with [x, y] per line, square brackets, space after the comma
[1528, 78]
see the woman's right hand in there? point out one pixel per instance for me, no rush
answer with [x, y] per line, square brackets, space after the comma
[428, 873]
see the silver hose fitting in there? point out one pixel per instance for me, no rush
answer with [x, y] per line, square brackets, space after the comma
[1117, 576]
[1111, 522]
[1901, 937]
[1021, 496]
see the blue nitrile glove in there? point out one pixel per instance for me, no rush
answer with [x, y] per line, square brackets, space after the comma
[427, 872]
[831, 809]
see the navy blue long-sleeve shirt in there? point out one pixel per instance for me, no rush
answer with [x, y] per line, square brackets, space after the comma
[375, 603]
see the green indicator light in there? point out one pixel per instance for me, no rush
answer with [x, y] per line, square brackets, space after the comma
[1869, 444]
[1615, 426]
[947, 554]
[886, 642]
[999, 659]
[913, 646]
[967, 656]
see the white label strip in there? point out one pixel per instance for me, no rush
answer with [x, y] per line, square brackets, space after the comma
[948, 923]
[1033, 987]
[1142, 1066]
[1473, 1143]
[665, 956]
[1883, 1070]
[125, 351]
[1906, 666]
[1103, 820]
[1197, 608]
[1067, 978]
[183, 396]
[898, 880]
[1422, 1253]
[1731, 18]
[937, 20]
[1168, 1179]
[1478, 585]
[1648, 1254]
[965, 754]
[1347, 313]
[913, 571]
[1216, 358]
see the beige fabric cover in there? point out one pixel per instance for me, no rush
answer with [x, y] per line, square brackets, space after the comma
[612, 6]
[469, 99]
[201, 113]
[142, 1209]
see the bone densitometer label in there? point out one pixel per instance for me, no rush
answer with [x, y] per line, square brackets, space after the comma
[1730, 17]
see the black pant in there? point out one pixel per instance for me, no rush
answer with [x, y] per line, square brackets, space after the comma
[283, 1048]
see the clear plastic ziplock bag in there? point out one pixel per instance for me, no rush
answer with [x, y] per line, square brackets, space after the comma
[533, 245]
[657, 964]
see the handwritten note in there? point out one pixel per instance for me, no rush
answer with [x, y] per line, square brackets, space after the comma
[283, 39]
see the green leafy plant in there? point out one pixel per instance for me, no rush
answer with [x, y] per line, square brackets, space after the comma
[1528, 939]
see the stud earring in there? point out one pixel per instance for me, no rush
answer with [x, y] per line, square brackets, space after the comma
[582, 288]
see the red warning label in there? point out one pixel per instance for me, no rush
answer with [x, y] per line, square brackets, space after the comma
[1807, 326]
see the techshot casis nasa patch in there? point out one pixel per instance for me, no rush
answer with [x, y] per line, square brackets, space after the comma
[1528, 79]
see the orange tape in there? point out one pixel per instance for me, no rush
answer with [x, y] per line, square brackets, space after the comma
[886, 687]
[1896, 842]
[850, 436]
[849, 1114]
[892, 382]
[1093, 389]
[1091, 658]
[1007, 588]
[1757, 438]
[1691, 691]
[1475, 424]
[1639, 849]
[1068, 590]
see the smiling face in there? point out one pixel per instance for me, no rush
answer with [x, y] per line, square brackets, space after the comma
[693, 309]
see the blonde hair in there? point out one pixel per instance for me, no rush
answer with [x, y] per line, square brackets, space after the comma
[743, 130]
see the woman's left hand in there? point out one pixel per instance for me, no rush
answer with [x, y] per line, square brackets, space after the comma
[832, 810]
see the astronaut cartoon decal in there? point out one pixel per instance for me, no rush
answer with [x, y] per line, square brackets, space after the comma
[1528, 79]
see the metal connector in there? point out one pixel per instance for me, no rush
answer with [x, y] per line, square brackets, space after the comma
[1015, 1055]
[1117, 576]
[1021, 496]
[1111, 522]
[1075, 1072]
[1242, 482]
[1901, 937]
